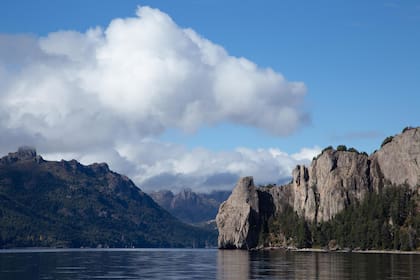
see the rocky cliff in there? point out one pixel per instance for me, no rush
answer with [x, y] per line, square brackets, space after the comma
[398, 160]
[238, 217]
[335, 180]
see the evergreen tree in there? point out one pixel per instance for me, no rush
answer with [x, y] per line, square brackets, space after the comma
[384, 220]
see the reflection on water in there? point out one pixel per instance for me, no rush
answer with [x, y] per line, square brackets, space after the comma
[203, 264]
[279, 264]
[231, 264]
[109, 264]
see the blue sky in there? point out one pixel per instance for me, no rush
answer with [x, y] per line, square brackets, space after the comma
[359, 61]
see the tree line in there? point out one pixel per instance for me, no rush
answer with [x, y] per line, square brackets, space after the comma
[387, 220]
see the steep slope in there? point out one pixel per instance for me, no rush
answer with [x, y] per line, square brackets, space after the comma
[67, 204]
[191, 207]
[336, 182]
[238, 216]
[333, 181]
[398, 160]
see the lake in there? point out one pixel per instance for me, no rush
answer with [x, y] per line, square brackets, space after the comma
[203, 264]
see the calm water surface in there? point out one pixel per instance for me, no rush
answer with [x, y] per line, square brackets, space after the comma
[203, 264]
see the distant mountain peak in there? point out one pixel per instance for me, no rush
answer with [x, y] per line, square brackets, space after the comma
[27, 150]
[190, 206]
[23, 153]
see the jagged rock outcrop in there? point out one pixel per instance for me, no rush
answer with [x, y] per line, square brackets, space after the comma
[333, 181]
[238, 217]
[399, 160]
[23, 153]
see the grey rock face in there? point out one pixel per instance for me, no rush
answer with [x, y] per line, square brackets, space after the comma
[26, 153]
[399, 160]
[305, 199]
[334, 180]
[237, 219]
[279, 197]
[23, 154]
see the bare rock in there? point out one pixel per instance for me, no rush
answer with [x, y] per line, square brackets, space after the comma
[339, 178]
[398, 161]
[333, 181]
[333, 245]
[24, 153]
[277, 198]
[305, 199]
[238, 217]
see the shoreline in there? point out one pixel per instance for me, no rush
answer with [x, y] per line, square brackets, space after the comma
[317, 250]
[285, 249]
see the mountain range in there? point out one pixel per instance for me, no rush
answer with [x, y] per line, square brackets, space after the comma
[344, 199]
[191, 207]
[67, 204]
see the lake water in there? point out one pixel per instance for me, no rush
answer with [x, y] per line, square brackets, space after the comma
[203, 264]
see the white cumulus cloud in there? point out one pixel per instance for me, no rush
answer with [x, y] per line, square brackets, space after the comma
[101, 94]
[173, 166]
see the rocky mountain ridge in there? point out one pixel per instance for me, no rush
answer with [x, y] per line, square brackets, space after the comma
[68, 204]
[189, 206]
[335, 180]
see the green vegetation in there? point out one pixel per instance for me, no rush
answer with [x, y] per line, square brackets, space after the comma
[326, 149]
[407, 128]
[353, 150]
[387, 140]
[384, 220]
[66, 204]
[341, 148]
